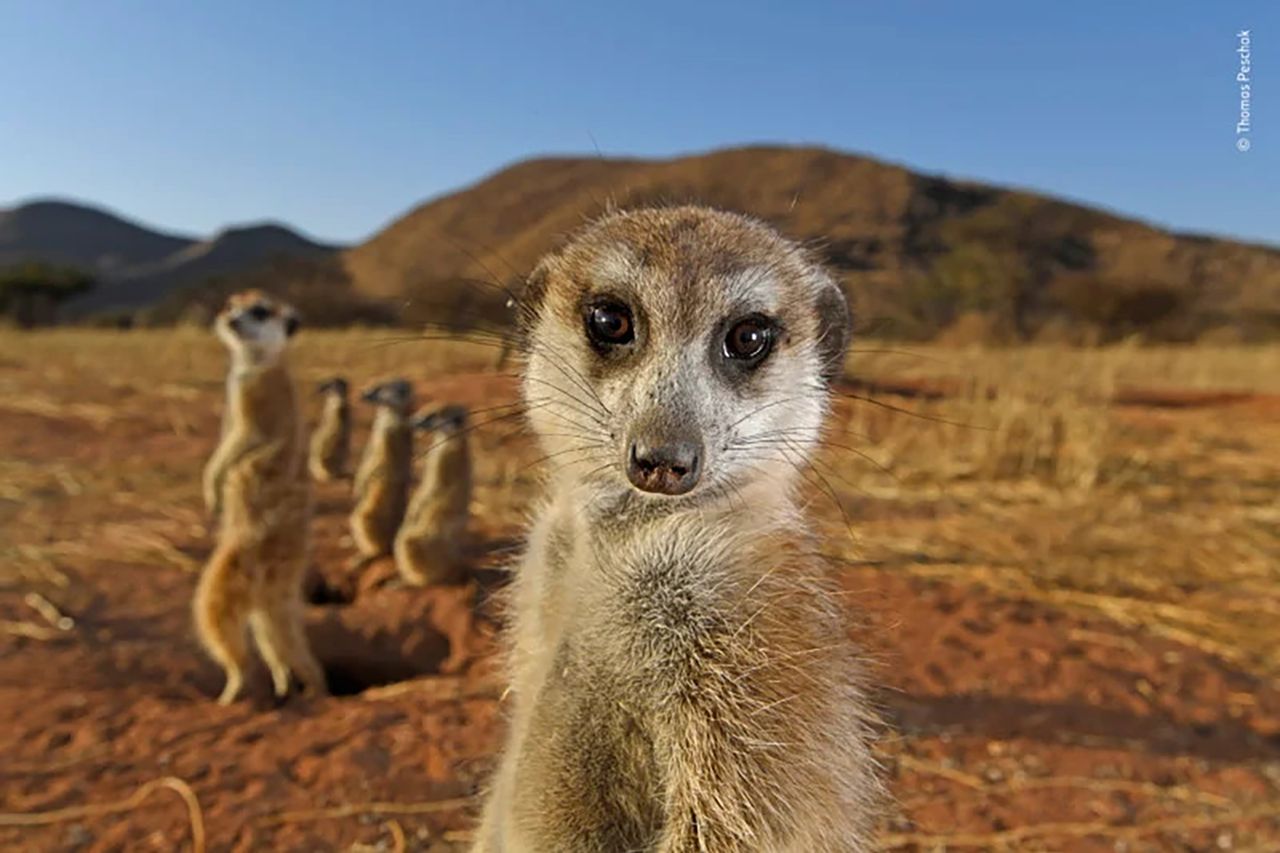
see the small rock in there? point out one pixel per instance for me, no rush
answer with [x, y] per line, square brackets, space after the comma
[77, 836]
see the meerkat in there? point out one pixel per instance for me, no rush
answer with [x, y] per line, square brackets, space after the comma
[255, 486]
[681, 671]
[331, 441]
[430, 547]
[381, 485]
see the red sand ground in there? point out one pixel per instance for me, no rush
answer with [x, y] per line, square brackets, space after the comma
[1005, 713]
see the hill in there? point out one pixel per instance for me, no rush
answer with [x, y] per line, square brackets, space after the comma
[88, 238]
[232, 253]
[919, 253]
[136, 266]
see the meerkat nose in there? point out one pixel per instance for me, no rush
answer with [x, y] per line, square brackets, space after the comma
[666, 469]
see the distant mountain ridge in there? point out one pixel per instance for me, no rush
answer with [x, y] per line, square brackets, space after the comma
[73, 234]
[137, 266]
[918, 253]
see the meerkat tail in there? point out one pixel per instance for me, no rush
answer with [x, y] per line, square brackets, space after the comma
[221, 610]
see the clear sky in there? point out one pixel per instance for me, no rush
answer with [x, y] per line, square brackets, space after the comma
[339, 116]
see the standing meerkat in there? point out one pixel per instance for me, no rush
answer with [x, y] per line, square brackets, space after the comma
[681, 671]
[430, 547]
[381, 486]
[331, 441]
[255, 485]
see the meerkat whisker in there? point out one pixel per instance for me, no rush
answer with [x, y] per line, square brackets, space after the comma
[901, 411]
[575, 450]
[781, 439]
[508, 416]
[808, 471]
[574, 404]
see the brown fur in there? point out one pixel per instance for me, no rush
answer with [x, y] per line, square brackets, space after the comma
[381, 487]
[331, 441]
[682, 678]
[430, 547]
[255, 482]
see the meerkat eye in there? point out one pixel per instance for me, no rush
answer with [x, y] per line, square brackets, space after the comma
[259, 312]
[750, 339]
[610, 324]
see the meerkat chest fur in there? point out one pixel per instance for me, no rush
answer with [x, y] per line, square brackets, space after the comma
[263, 410]
[668, 602]
[445, 486]
[391, 446]
[335, 419]
[263, 401]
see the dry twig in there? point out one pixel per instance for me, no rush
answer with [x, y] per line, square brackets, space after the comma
[173, 783]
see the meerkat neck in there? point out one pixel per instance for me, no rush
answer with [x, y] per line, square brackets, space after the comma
[610, 517]
[245, 362]
[262, 399]
[389, 420]
[444, 452]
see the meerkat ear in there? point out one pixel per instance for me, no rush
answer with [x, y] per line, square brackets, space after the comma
[528, 303]
[291, 325]
[835, 327]
[531, 296]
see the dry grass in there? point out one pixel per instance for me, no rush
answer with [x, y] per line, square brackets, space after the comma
[1023, 478]
[1254, 369]
[1057, 489]
[1164, 520]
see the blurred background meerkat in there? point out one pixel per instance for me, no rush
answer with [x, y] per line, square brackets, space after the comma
[381, 487]
[331, 441]
[431, 545]
[255, 485]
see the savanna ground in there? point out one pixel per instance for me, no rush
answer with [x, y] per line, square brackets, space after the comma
[1067, 566]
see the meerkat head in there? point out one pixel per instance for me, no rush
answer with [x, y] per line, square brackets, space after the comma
[683, 352]
[395, 395]
[255, 326]
[446, 420]
[336, 386]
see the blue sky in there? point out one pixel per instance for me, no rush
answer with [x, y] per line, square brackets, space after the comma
[337, 117]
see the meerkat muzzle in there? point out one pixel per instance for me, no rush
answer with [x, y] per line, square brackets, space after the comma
[666, 469]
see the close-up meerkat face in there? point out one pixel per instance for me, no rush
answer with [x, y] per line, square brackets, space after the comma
[681, 351]
[395, 395]
[256, 325]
